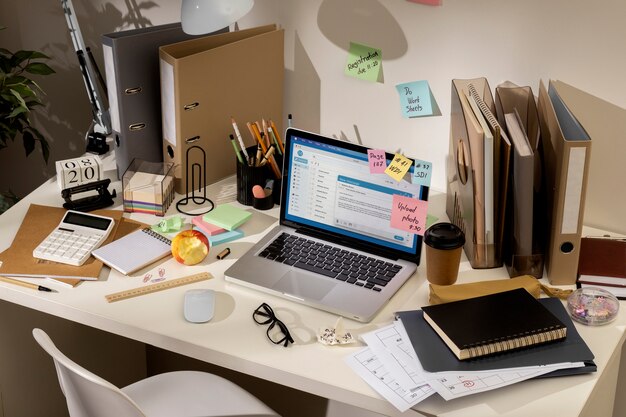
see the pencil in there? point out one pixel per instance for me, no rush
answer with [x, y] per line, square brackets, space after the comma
[273, 163]
[240, 139]
[280, 142]
[25, 284]
[267, 155]
[274, 138]
[232, 140]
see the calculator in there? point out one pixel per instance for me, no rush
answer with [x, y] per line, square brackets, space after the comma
[72, 241]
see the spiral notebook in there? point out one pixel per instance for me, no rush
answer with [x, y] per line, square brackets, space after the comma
[134, 251]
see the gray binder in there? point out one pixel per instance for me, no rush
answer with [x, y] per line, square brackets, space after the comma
[131, 61]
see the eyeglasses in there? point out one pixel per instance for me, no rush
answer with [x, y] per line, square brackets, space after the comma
[277, 331]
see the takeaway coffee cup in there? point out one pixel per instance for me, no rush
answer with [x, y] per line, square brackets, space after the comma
[444, 243]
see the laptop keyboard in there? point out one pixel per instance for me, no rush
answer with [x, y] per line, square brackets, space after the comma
[330, 261]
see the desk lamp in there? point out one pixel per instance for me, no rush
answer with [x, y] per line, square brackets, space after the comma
[206, 16]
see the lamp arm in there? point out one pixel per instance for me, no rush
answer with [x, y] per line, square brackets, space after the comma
[101, 123]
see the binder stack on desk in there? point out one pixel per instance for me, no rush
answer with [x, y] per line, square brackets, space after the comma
[131, 61]
[205, 82]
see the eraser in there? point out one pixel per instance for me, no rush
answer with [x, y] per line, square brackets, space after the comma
[258, 192]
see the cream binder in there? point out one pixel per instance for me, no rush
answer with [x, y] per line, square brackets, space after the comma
[205, 82]
[567, 151]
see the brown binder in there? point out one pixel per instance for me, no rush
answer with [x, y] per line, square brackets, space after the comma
[567, 150]
[205, 82]
[465, 197]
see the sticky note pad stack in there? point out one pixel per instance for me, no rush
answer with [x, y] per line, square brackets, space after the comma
[227, 216]
[220, 224]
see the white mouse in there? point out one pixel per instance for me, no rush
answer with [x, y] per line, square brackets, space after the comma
[199, 305]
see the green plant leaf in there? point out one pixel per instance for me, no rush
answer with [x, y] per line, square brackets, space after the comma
[24, 91]
[18, 110]
[29, 142]
[38, 68]
[45, 147]
[19, 97]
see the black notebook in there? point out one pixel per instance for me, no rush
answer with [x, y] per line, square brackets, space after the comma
[493, 323]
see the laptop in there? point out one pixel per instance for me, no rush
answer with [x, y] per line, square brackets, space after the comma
[334, 248]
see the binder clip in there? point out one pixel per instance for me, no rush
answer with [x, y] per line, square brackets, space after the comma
[93, 202]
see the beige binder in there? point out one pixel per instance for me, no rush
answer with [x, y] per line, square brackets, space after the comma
[605, 122]
[205, 82]
[567, 151]
[465, 197]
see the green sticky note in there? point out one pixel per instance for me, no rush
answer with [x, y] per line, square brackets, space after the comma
[173, 224]
[364, 62]
[227, 216]
[430, 220]
[415, 99]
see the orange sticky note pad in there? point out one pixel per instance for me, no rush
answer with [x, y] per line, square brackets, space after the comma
[398, 167]
[409, 214]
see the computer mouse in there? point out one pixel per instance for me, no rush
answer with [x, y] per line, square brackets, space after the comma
[199, 305]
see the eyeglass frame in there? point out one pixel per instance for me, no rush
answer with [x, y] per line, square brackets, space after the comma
[272, 320]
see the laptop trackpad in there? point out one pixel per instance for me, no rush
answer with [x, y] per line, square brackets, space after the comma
[304, 285]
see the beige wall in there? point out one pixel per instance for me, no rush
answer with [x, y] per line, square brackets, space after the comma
[576, 41]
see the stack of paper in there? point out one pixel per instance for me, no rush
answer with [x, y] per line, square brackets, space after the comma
[220, 225]
[406, 362]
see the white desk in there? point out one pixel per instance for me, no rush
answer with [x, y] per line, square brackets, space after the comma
[234, 341]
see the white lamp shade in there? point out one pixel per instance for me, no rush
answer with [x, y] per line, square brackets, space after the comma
[206, 16]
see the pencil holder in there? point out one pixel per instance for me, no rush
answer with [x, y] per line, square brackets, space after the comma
[249, 176]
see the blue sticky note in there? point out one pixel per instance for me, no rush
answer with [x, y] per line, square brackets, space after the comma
[415, 99]
[225, 237]
[422, 173]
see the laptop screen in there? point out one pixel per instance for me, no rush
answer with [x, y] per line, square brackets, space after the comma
[329, 188]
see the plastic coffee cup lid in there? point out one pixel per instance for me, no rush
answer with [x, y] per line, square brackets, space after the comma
[444, 236]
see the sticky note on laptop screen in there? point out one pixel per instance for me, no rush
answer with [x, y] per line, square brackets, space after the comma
[227, 216]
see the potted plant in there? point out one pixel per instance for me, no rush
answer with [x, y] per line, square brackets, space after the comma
[19, 95]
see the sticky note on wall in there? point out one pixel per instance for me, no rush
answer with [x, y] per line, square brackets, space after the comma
[364, 62]
[422, 173]
[415, 99]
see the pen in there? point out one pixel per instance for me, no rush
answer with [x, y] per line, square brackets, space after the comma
[240, 139]
[289, 120]
[232, 140]
[273, 163]
[259, 154]
[25, 284]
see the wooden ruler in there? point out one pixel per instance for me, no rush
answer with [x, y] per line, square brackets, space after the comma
[159, 286]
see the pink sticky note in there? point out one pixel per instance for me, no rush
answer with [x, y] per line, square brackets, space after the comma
[378, 161]
[207, 228]
[409, 214]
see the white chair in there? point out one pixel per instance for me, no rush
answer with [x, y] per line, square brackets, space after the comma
[183, 393]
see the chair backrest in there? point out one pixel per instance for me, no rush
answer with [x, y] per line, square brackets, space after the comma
[87, 394]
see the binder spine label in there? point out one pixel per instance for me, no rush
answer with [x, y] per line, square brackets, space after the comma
[168, 102]
[109, 70]
[573, 190]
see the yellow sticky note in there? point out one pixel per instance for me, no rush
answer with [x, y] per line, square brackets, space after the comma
[398, 167]
[364, 62]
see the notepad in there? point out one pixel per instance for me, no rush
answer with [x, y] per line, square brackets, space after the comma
[208, 229]
[134, 251]
[227, 216]
[493, 323]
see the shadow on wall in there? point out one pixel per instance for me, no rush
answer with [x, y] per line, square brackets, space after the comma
[304, 104]
[367, 22]
[67, 115]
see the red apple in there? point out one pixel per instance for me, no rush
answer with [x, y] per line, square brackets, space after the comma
[190, 247]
